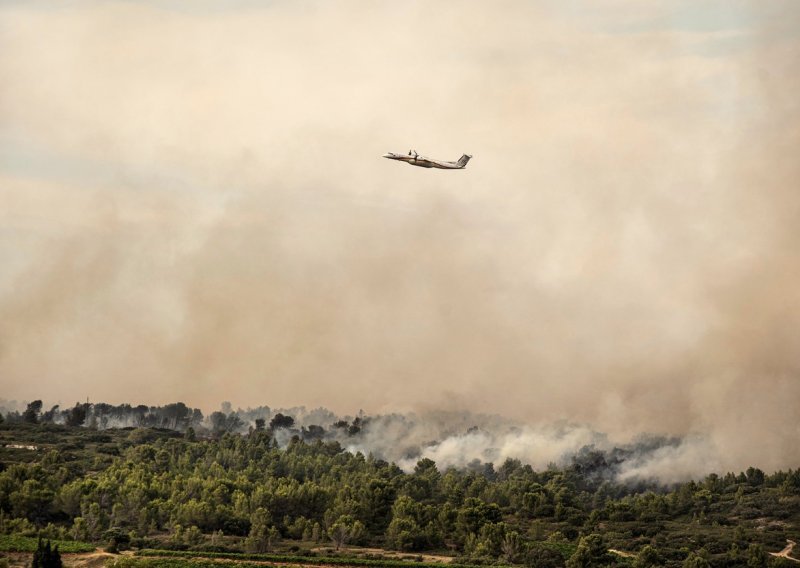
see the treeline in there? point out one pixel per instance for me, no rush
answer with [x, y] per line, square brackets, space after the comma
[179, 417]
[176, 416]
[245, 493]
[394, 437]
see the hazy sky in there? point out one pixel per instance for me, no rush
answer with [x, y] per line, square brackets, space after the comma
[193, 207]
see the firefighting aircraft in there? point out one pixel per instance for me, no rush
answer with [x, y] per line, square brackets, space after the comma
[416, 160]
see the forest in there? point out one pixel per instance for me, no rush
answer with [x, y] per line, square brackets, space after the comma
[179, 485]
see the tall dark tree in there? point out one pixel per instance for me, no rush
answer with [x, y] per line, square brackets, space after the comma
[45, 556]
[50, 415]
[221, 423]
[281, 421]
[32, 412]
[76, 416]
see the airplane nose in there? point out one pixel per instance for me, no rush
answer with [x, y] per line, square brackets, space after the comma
[387, 155]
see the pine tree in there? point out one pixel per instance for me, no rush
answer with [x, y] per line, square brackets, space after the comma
[45, 556]
[259, 539]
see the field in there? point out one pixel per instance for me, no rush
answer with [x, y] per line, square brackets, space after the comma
[299, 560]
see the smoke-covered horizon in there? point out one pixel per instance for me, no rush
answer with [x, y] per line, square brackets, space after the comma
[461, 440]
[193, 207]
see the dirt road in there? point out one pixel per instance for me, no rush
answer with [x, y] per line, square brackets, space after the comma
[786, 551]
[96, 559]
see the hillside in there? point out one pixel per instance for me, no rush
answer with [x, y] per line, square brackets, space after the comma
[159, 489]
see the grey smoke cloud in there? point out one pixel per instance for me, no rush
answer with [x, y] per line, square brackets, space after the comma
[193, 208]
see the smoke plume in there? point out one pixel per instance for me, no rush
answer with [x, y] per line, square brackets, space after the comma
[193, 207]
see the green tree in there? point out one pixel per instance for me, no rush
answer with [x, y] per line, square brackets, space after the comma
[316, 533]
[735, 554]
[405, 532]
[261, 537]
[345, 530]
[755, 476]
[491, 538]
[695, 560]
[281, 421]
[474, 514]
[511, 546]
[591, 551]
[76, 416]
[756, 557]
[33, 501]
[117, 539]
[177, 535]
[648, 557]
[541, 556]
[221, 422]
[32, 412]
[49, 416]
[93, 520]
[79, 531]
[45, 556]
[193, 536]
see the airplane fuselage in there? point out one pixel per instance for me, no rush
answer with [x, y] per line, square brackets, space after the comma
[414, 159]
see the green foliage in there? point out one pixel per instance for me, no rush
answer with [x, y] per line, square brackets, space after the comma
[244, 493]
[344, 530]
[540, 555]
[648, 557]
[511, 547]
[413, 526]
[696, 561]
[592, 551]
[262, 535]
[756, 557]
[117, 539]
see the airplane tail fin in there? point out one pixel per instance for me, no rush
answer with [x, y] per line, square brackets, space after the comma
[462, 161]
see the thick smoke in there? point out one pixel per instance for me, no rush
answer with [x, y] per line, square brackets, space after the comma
[462, 440]
[193, 207]
[467, 440]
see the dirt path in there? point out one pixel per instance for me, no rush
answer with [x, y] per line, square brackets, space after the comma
[98, 558]
[622, 553]
[95, 559]
[786, 551]
[388, 554]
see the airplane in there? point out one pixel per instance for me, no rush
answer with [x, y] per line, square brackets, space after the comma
[416, 160]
